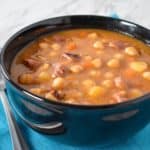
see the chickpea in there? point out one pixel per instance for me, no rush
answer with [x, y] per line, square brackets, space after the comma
[119, 56]
[26, 79]
[123, 93]
[131, 51]
[55, 46]
[113, 63]
[45, 66]
[97, 63]
[134, 93]
[95, 73]
[139, 66]
[44, 45]
[107, 83]
[36, 91]
[50, 96]
[111, 44]
[43, 76]
[88, 58]
[88, 83]
[96, 91]
[92, 35]
[76, 68]
[109, 75]
[58, 83]
[52, 54]
[71, 101]
[146, 75]
[105, 40]
[98, 44]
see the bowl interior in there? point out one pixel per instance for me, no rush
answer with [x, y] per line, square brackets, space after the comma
[32, 32]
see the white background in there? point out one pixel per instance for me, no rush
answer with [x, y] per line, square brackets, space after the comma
[15, 14]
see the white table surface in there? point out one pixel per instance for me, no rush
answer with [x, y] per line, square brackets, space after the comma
[15, 14]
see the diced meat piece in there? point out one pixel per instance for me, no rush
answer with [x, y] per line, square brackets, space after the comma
[58, 94]
[59, 38]
[119, 83]
[120, 96]
[31, 63]
[59, 70]
[71, 56]
[118, 44]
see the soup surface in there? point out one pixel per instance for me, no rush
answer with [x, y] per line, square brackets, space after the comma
[84, 66]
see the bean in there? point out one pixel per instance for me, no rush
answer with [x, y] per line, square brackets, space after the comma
[44, 45]
[111, 44]
[36, 91]
[45, 66]
[134, 93]
[98, 44]
[58, 83]
[50, 96]
[76, 68]
[107, 83]
[146, 75]
[113, 63]
[55, 46]
[96, 91]
[88, 58]
[97, 63]
[119, 56]
[131, 51]
[52, 54]
[26, 79]
[70, 101]
[92, 35]
[43, 77]
[94, 73]
[139, 66]
[88, 83]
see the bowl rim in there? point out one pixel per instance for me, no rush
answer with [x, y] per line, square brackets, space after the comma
[59, 103]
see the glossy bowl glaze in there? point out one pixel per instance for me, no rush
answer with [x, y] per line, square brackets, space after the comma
[82, 124]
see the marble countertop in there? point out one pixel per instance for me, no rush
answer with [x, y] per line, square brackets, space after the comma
[15, 14]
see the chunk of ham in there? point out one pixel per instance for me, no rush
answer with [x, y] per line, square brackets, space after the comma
[59, 70]
[31, 63]
[71, 56]
[118, 44]
[59, 95]
[120, 96]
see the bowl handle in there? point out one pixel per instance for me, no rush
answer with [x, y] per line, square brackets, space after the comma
[53, 127]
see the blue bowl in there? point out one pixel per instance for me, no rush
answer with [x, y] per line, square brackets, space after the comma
[81, 124]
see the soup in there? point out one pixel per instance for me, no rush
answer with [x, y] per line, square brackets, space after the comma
[84, 66]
